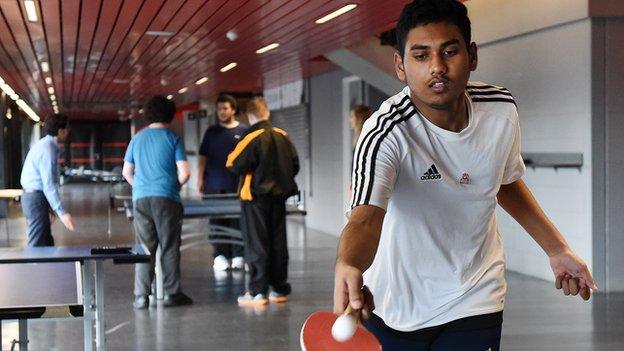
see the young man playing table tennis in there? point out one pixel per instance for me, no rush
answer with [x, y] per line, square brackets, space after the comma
[430, 167]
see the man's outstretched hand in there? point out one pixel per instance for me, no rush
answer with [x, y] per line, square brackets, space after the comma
[572, 274]
[349, 290]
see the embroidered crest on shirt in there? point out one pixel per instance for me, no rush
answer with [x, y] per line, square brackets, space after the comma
[465, 179]
[431, 174]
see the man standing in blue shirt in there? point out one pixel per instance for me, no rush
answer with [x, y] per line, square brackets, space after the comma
[156, 167]
[219, 140]
[41, 184]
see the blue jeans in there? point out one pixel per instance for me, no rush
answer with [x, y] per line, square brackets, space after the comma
[37, 212]
[478, 333]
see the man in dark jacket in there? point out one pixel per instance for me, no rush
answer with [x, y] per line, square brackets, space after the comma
[267, 162]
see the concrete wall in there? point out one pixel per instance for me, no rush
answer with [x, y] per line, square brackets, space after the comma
[608, 135]
[324, 202]
[549, 73]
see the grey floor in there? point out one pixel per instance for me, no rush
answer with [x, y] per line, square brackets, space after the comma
[537, 317]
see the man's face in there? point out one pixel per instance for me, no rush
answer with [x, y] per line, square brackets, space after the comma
[436, 65]
[225, 112]
[63, 134]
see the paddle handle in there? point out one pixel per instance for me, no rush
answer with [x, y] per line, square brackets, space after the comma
[350, 310]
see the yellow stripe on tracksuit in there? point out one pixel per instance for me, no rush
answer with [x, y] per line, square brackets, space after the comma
[245, 191]
[241, 146]
[281, 131]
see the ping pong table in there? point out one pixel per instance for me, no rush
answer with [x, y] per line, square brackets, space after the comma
[58, 282]
[213, 206]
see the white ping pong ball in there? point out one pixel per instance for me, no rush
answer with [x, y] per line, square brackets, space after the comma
[344, 327]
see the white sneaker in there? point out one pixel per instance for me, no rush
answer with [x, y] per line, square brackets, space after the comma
[220, 263]
[238, 263]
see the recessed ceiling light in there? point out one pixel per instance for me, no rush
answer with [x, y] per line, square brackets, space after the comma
[159, 33]
[228, 67]
[201, 80]
[50, 90]
[231, 35]
[31, 10]
[183, 90]
[45, 67]
[169, 97]
[335, 14]
[267, 48]
[48, 80]
[53, 97]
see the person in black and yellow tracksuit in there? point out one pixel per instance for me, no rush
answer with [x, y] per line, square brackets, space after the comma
[267, 162]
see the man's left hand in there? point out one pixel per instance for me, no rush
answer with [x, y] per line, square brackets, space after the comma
[572, 274]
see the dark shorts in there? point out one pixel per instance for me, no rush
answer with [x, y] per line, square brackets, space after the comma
[476, 333]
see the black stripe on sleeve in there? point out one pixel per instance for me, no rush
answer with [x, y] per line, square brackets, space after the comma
[484, 87]
[489, 92]
[478, 99]
[364, 146]
[376, 150]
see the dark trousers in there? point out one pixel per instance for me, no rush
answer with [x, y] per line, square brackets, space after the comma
[158, 220]
[263, 222]
[476, 333]
[227, 250]
[37, 212]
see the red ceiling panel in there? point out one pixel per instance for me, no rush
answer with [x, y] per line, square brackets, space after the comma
[149, 49]
[107, 21]
[204, 58]
[101, 58]
[20, 48]
[127, 17]
[146, 17]
[51, 26]
[90, 14]
[195, 23]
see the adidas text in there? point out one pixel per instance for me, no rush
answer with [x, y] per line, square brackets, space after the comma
[431, 177]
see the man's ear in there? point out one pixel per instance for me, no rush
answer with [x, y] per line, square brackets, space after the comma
[474, 58]
[399, 67]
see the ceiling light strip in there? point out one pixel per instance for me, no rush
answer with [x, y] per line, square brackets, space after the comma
[21, 103]
[201, 80]
[267, 48]
[228, 67]
[331, 16]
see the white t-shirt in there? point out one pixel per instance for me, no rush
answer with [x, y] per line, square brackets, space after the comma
[440, 257]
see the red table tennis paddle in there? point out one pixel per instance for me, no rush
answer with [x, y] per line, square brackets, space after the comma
[316, 335]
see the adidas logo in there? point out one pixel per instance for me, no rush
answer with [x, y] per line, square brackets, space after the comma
[431, 174]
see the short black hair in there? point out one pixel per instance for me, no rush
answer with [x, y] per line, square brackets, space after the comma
[159, 109]
[55, 122]
[227, 98]
[422, 12]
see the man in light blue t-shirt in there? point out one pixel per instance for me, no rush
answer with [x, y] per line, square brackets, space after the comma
[156, 167]
[41, 185]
